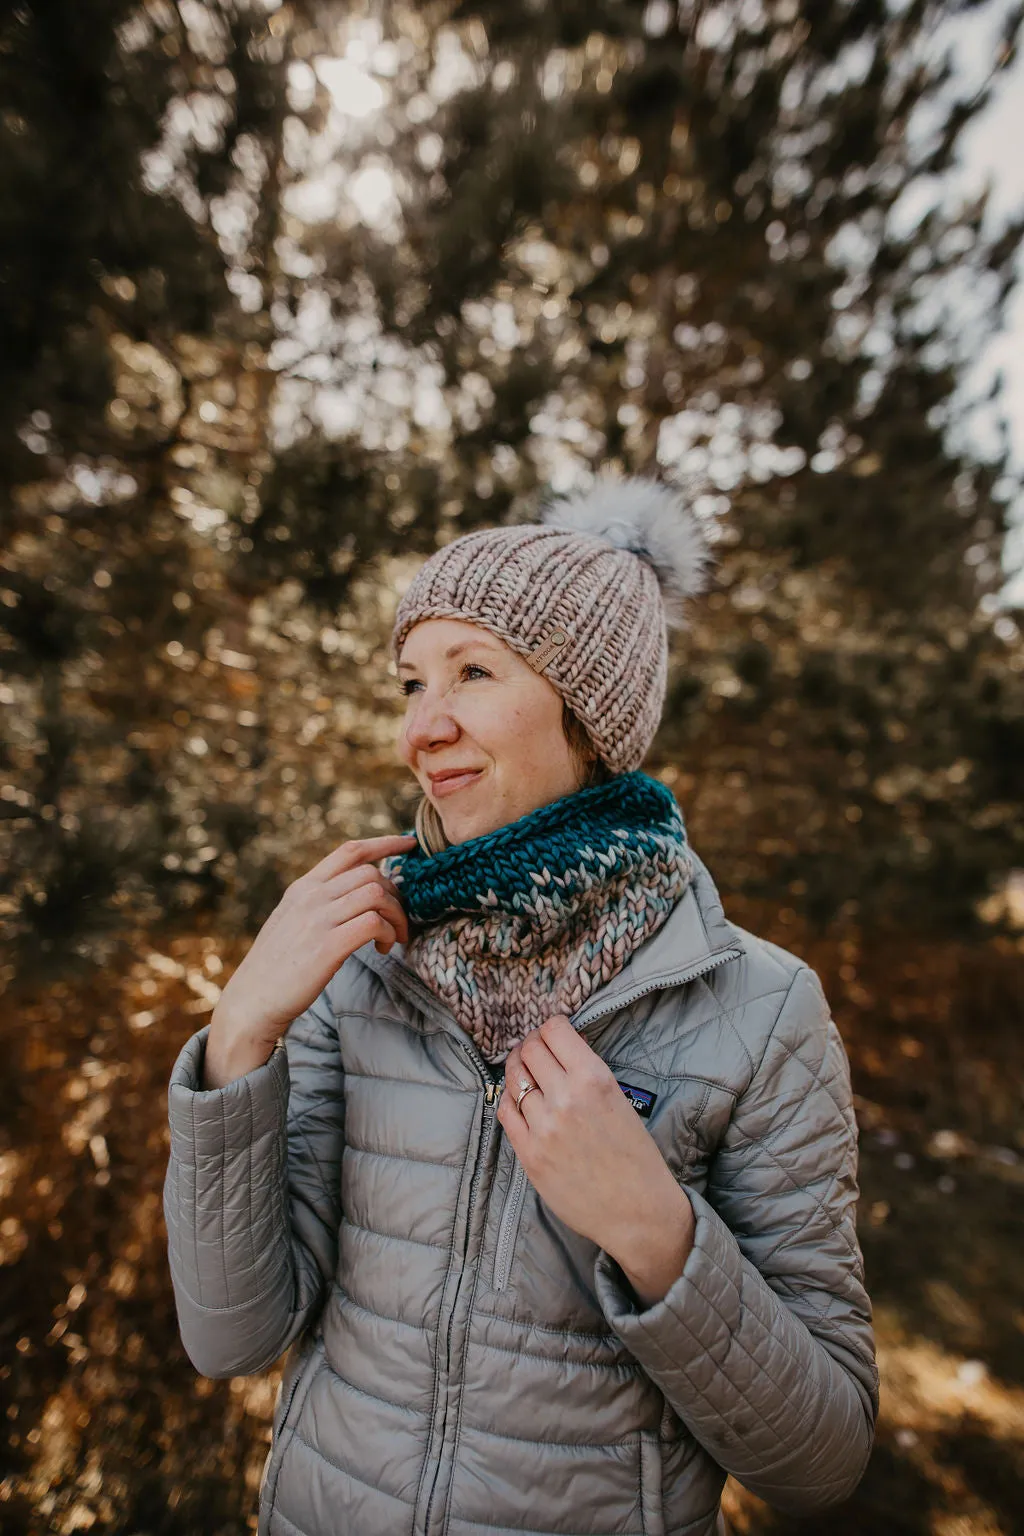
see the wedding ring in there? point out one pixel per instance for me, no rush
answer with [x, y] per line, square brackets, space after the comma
[523, 1091]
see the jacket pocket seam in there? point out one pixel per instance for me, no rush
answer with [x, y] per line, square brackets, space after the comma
[288, 1432]
[649, 1457]
[517, 1191]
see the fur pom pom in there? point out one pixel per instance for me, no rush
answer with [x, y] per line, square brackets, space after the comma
[650, 519]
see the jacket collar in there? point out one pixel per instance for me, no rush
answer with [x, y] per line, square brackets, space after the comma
[694, 938]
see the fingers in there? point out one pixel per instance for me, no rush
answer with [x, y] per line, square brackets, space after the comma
[541, 1062]
[527, 1106]
[513, 1122]
[565, 1043]
[368, 925]
[361, 850]
[354, 886]
[567, 1072]
[528, 1110]
[360, 874]
[366, 878]
[516, 1074]
[516, 1079]
[370, 897]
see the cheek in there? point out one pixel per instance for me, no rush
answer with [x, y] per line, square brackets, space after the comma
[525, 729]
[506, 714]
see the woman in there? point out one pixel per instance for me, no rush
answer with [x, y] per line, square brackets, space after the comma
[575, 1305]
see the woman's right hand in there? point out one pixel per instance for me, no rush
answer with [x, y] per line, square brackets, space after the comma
[323, 917]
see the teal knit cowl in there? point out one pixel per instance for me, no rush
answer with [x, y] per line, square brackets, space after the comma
[518, 924]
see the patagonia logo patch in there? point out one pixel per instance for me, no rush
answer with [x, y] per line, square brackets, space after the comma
[642, 1101]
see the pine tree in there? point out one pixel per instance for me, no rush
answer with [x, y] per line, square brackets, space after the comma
[675, 238]
[267, 345]
[123, 131]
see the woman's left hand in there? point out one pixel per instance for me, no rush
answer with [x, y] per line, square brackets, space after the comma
[587, 1154]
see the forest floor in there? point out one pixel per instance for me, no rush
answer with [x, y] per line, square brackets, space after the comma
[109, 1430]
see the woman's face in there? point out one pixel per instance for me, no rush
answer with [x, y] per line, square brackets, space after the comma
[473, 703]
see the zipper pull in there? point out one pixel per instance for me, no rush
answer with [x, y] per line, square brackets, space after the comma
[491, 1093]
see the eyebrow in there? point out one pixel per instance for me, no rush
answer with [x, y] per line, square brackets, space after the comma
[453, 650]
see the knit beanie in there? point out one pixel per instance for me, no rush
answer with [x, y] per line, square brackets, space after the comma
[586, 596]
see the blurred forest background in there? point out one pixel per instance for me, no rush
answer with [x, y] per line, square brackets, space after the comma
[293, 293]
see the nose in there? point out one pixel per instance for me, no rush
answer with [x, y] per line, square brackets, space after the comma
[430, 723]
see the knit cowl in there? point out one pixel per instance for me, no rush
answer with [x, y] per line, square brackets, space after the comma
[529, 920]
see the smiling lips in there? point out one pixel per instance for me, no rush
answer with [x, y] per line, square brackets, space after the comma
[449, 783]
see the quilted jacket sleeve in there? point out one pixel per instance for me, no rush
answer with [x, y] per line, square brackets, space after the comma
[251, 1196]
[764, 1344]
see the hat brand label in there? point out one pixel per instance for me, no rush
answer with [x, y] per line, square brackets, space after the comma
[642, 1101]
[539, 658]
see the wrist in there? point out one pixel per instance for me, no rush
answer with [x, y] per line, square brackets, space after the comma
[232, 1050]
[652, 1249]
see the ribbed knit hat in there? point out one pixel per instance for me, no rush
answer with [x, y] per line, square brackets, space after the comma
[586, 596]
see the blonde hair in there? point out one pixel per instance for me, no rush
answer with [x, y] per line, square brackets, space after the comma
[590, 769]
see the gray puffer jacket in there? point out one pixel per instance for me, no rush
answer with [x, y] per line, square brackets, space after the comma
[462, 1362]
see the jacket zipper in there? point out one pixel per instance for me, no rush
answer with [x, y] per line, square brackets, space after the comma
[300, 1377]
[508, 1222]
[508, 1225]
[300, 1373]
[491, 1093]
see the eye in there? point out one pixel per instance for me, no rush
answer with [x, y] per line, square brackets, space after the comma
[410, 683]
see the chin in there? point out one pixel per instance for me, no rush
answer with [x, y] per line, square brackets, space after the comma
[459, 827]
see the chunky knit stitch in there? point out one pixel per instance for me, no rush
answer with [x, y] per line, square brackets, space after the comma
[526, 921]
[586, 596]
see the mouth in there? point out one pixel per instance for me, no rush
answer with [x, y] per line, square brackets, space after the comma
[450, 783]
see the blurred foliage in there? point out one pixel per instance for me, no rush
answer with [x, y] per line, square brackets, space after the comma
[292, 294]
[604, 241]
